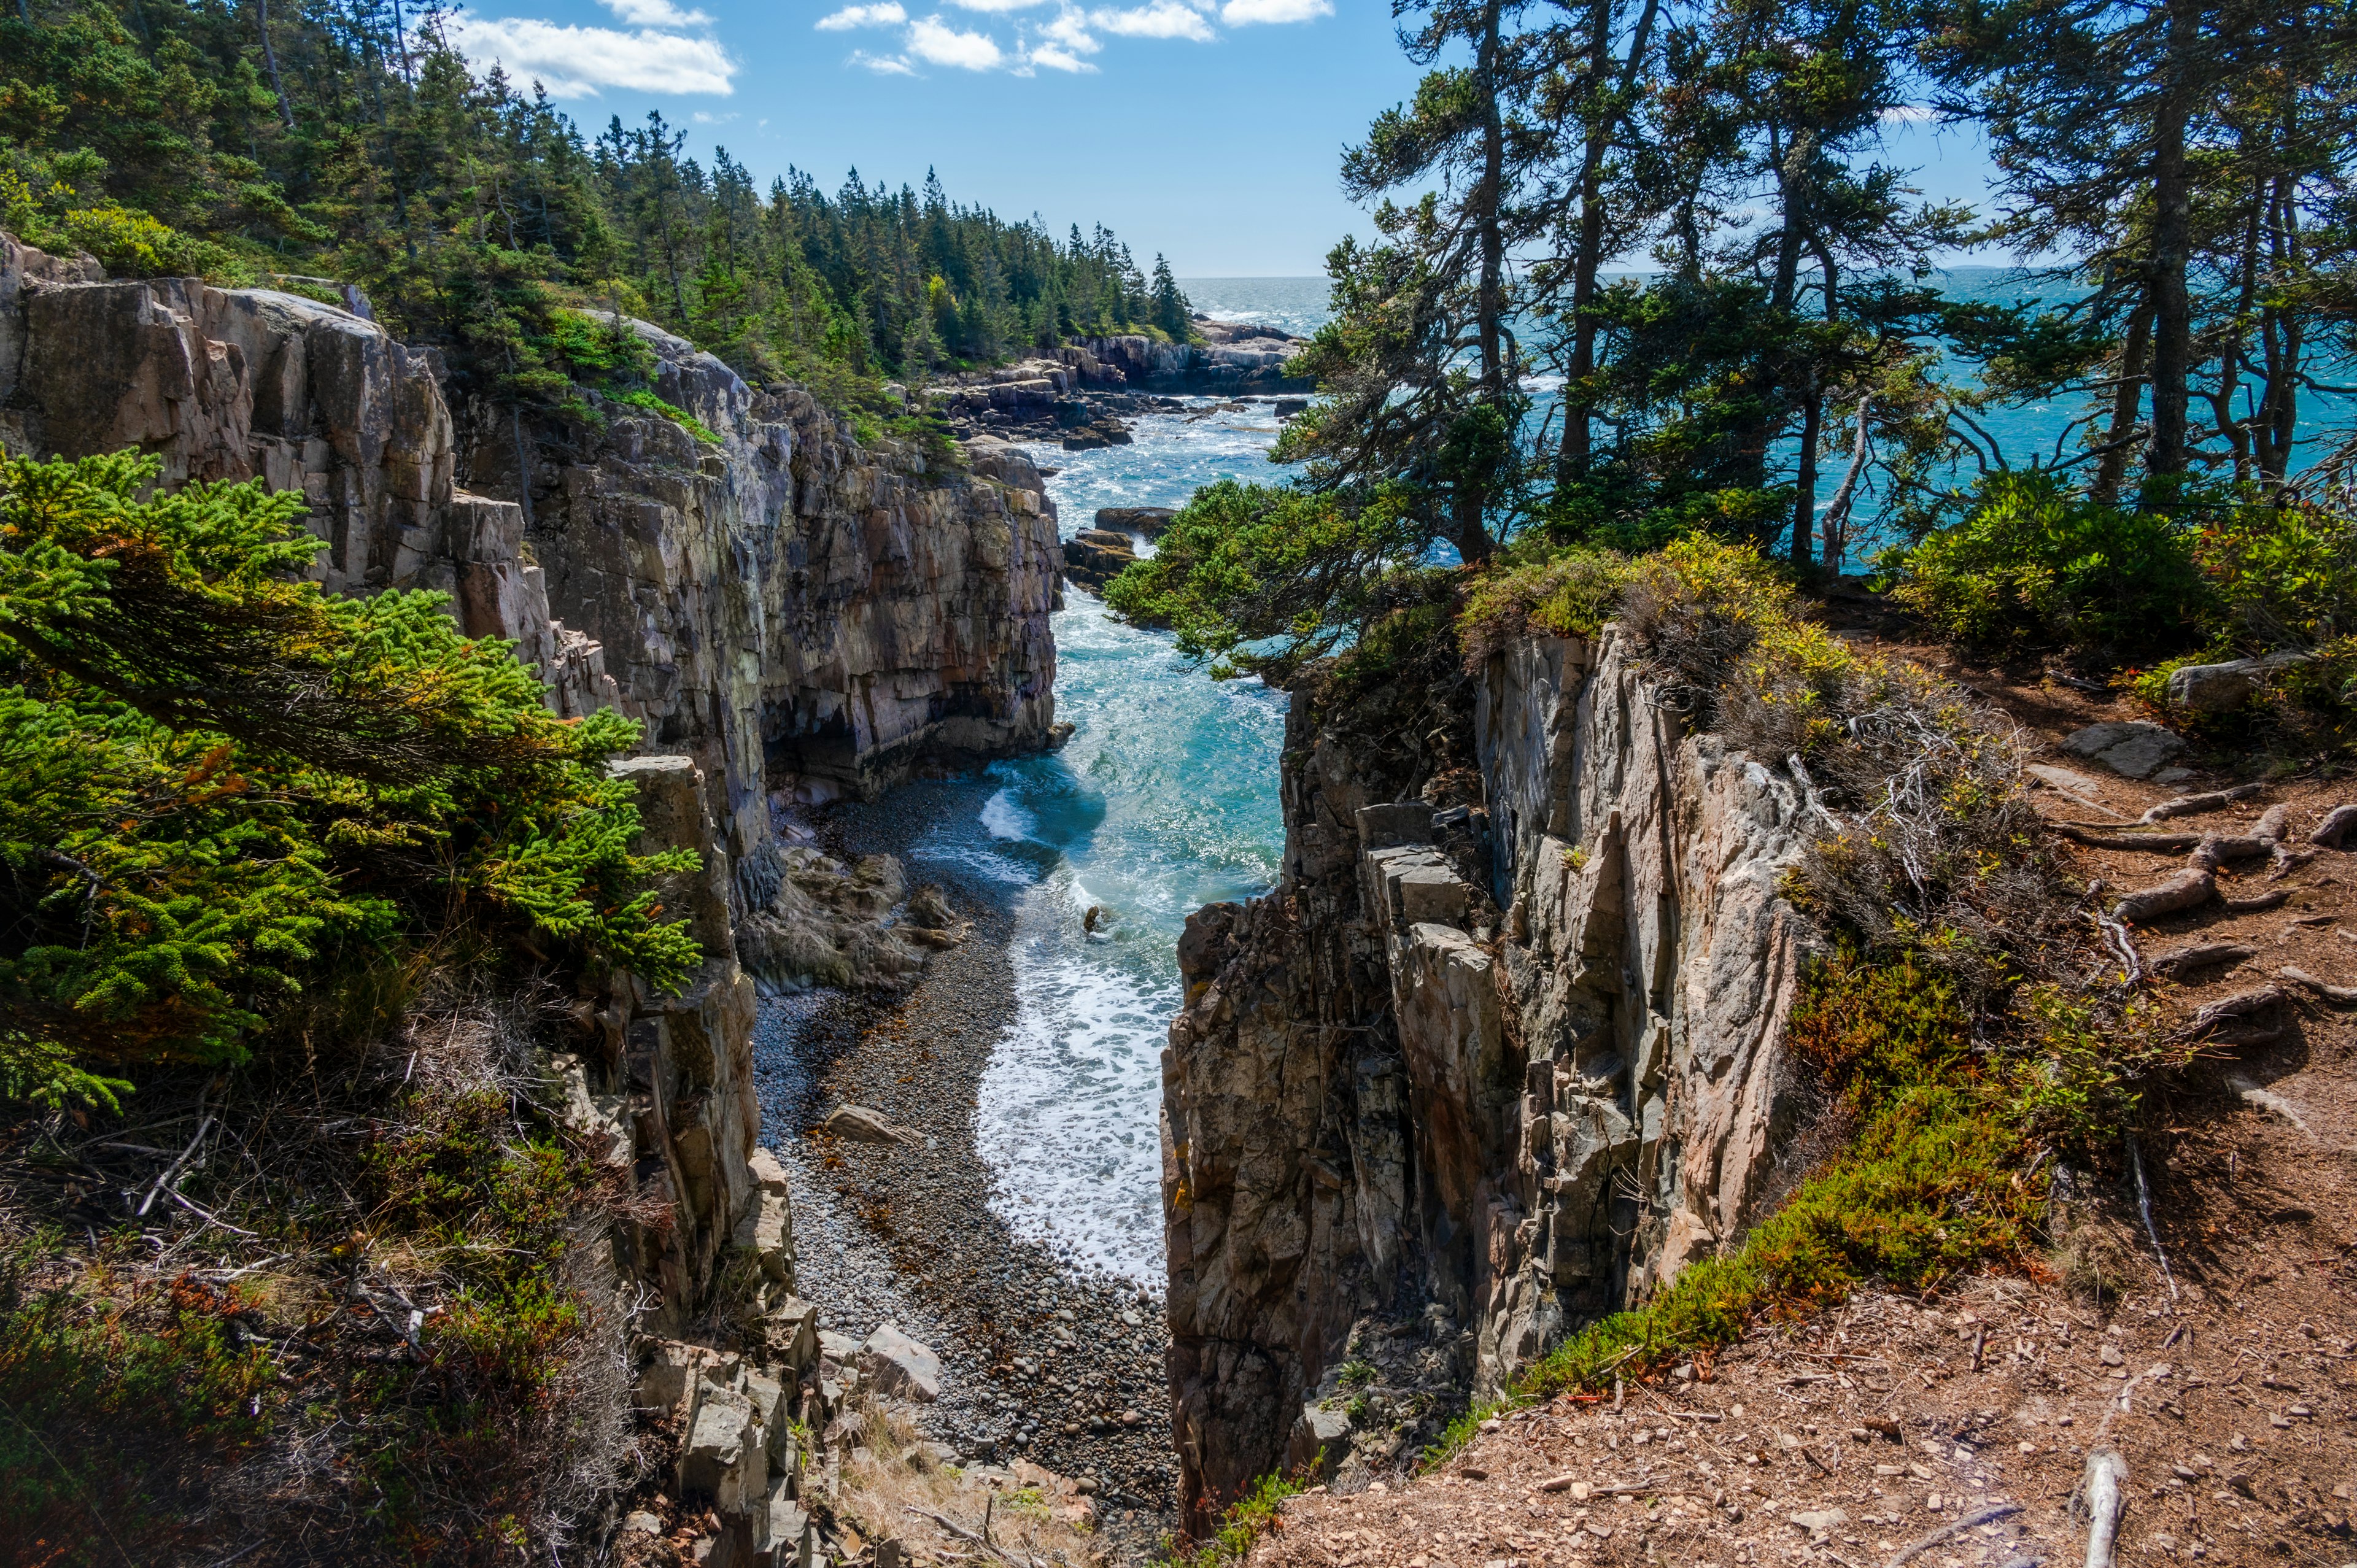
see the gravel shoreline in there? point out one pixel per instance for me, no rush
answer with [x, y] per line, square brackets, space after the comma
[1064, 1365]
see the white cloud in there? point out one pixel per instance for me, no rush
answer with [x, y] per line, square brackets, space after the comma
[1242, 12]
[933, 40]
[655, 14]
[700, 118]
[1055, 58]
[1163, 19]
[576, 62]
[888, 15]
[1069, 32]
[994, 5]
[883, 65]
[1907, 113]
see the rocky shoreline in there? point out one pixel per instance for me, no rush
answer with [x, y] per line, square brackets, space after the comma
[1040, 1358]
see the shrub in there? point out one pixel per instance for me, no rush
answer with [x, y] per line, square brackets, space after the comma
[217, 783]
[2033, 565]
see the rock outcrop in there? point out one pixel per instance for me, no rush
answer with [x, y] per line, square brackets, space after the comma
[804, 617]
[793, 615]
[1518, 1061]
[1228, 356]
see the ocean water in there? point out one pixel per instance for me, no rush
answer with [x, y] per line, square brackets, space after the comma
[1164, 799]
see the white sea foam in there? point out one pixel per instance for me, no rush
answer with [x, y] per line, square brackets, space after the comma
[1068, 1114]
[1164, 799]
[1005, 819]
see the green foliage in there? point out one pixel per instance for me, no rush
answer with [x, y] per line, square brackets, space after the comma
[469, 207]
[2034, 564]
[1246, 1519]
[133, 1373]
[1260, 579]
[217, 783]
[648, 403]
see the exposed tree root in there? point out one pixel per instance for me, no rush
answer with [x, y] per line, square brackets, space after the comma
[2192, 805]
[2203, 955]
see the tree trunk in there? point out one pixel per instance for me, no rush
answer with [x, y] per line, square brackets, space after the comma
[1472, 529]
[1587, 261]
[1804, 498]
[270, 58]
[2172, 195]
[2127, 398]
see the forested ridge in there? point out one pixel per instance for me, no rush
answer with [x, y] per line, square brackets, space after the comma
[310, 142]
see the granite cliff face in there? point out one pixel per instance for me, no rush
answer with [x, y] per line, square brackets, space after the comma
[791, 616]
[1508, 1065]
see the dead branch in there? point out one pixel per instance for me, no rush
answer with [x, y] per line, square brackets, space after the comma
[1973, 1520]
[2103, 1491]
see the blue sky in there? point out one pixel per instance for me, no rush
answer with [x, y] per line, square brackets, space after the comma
[1209, 131]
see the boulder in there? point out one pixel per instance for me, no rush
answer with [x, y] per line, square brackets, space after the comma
[900, 1367]
[2221, 688]
[724, 1457]
[790, 1332]
[2132, 748]
[781, 1534]
[1143, 521]
[857, 1124]
[1320, 1441]
[664, 1379]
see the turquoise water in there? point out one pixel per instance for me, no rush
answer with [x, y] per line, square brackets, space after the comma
[1164, 799]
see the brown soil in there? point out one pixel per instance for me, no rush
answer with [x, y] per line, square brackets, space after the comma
[2234, 1402]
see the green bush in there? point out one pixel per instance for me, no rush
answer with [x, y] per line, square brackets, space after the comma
[2034, 564]
[220, 786]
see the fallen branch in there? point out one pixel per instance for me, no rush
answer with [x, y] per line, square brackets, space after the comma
[2346, 995]
[1973, 1520]
[171, 1173]
[961, 1533]
[2193, 805]
[2144, 1206]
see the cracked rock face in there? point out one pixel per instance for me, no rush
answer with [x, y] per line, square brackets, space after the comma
[1522, 1061]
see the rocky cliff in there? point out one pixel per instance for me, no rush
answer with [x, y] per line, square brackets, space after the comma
[1501, 1053]
[793, 615]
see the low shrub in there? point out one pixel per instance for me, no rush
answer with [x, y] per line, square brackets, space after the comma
[220, 786]
[2036, 565]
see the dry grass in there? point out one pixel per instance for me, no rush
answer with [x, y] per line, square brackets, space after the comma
[901, 1491]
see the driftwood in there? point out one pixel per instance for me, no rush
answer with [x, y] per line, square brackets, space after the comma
[2335, 822]
[2203, 955]
[2345, 995]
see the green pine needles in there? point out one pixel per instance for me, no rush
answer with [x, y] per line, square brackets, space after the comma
[221, 787]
